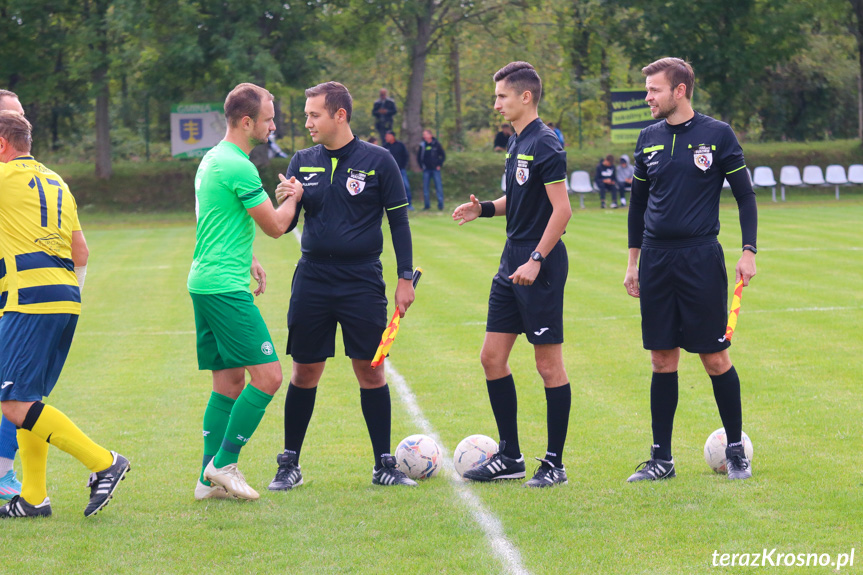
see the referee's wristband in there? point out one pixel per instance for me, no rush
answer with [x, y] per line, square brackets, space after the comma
[487, 209]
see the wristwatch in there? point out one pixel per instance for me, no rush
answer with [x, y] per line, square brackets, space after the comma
[750, 249]
[537, 257]
[408, 275]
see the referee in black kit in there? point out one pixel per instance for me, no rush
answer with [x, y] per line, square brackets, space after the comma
[681, 281]
[348, 185]
[527, 291]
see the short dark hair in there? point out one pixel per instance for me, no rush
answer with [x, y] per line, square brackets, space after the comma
[390, 132]
[245, 100]
[609, 158]
[677, 72]
[336, 97]
[17, 130]
[523, 77]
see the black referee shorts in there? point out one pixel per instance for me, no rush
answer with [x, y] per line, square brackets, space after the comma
[535, 310]
[352, 295]
[684, 295]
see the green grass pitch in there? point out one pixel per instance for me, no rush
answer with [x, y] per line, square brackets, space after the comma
[132, 383]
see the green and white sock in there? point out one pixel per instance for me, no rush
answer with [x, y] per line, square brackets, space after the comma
[216, 418]
[246, 414]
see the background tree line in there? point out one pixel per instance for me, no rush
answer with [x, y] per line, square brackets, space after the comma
[98, 77]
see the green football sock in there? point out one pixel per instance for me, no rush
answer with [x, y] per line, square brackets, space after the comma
[216, 418]
[245, 417]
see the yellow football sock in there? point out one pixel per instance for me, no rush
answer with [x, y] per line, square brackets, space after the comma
[34, 463]
[58, 430]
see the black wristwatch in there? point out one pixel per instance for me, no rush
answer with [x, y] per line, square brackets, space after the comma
[408, 275]
[537, 257]
[750, 249]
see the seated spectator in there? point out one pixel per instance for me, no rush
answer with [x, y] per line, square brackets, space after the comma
[605, 180]
[501, 140]
[623, 176]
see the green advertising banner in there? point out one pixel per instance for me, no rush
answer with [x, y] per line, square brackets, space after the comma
[630, 114]
[195, 128]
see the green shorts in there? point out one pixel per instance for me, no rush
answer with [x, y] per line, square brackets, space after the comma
[230, 331]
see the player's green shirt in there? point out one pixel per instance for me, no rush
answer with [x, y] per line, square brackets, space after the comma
[226, 185]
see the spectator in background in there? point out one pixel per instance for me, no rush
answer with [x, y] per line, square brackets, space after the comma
[431, 157]
[606, 181]
[501, 139]
[557, 133]
[383, 111]
[372, 140]
[400, 155]
[623, 176]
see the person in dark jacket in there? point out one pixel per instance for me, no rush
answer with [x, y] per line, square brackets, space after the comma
[400, 154]
[605, 180]
[431, 157]
[383, 111]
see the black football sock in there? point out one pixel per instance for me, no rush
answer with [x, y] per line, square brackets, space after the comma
[504, 405]
[378, 414]
[557, 404]
[726, 391]
[299, 405]
[663, 404]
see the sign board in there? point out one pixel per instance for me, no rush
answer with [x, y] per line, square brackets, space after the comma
[195, 128]
[629, 115]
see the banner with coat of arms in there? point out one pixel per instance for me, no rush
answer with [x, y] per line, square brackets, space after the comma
[195, 128]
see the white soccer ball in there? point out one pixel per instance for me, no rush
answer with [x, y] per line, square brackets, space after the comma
[714, 449]
[473, 451]
[418, 456]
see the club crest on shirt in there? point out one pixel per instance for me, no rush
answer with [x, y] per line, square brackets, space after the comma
[356, 182]
[522, 172]
[703, 157]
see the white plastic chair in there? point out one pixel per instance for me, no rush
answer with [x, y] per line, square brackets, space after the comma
[503, 182]
[762, 177]
[789, 176]
[580, 183]
[855, 174]
[836, 176]
[813, 176]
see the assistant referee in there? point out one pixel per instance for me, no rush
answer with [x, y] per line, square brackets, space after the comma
[680, 165]
[348, 185]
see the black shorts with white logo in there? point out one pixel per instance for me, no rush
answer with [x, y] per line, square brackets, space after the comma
[684, 295]
[352, 295]
[535, 310]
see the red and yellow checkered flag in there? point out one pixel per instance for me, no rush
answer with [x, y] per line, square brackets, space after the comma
[735, 310]
[389, 335]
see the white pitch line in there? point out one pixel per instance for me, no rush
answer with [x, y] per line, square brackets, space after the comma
[490, 524]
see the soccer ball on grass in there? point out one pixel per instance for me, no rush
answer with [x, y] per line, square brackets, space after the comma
[418, 456]
[473, 450]
[714, 449]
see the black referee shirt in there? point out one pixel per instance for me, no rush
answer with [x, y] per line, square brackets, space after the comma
[345, 194]
[534, 159]
[684, 166]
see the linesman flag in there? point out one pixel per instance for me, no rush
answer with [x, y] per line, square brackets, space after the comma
[389, 336]
[735, 310]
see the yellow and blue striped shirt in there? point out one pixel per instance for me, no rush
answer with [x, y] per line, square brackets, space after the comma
[37, 218]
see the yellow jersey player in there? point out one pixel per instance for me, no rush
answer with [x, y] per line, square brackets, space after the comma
[44, 260]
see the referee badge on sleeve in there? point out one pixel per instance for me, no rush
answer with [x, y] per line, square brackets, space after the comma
[356, 182]
[703, 157]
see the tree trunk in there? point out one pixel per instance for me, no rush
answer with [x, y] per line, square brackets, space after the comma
[412, 123]
[99, 76]
[860, 94]
[103, 121]
[458, 137]
[605, 83]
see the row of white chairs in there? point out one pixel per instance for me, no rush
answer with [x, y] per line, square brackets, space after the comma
[790, 176]
[581, 182]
